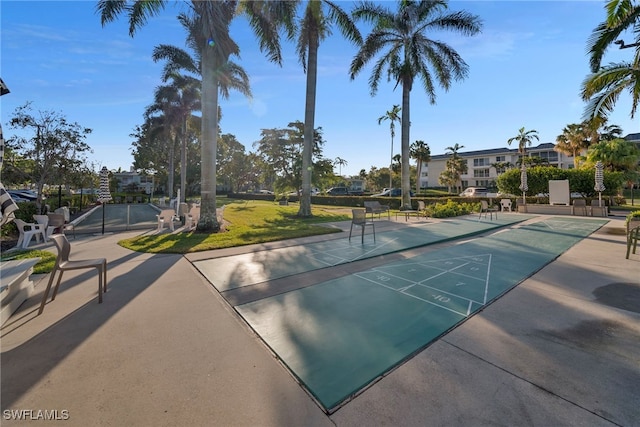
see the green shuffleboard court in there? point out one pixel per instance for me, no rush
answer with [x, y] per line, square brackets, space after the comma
[248, 269]
[338, 336]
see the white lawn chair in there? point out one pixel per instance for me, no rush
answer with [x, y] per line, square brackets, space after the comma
[27, 231]
[167, 216]
[43, 220]
[505, 205]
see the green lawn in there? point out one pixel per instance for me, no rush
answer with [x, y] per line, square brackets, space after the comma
[45, 265]
[246, 222]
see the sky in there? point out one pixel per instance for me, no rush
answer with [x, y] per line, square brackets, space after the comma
[525, 70]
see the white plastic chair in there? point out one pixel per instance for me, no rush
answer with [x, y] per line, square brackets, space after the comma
[505, 205]
[167, 216]
[63, 264]
[43, 220]
[64, 211]
[27, 231]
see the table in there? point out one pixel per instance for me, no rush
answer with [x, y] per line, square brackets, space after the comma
[408, 213]
[16, 285]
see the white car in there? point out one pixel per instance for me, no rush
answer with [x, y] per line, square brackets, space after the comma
[474, 192]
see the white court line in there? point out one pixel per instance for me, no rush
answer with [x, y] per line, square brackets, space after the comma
[413, 296]
[486, 284]
[471, 300]
[374, 249]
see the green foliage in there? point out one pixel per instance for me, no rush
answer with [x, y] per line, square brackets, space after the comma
[451, 209]
[25, 212]
[635, 215]
[248, 223]
[45, 265]
[580, 180]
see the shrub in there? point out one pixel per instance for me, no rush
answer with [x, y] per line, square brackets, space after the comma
[451, 208]
[635, 215]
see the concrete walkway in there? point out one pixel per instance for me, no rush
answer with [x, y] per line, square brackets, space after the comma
[165, 349]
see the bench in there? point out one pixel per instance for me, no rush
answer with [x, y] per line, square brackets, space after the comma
[16, 285]
[375, 207]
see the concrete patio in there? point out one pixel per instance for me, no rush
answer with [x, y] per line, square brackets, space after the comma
[164, 349]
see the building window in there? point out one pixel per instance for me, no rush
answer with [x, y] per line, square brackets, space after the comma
[501, 159]
[480, 162]
[550, 156]
[481, 173]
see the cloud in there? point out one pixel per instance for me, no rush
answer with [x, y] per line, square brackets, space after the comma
[490, 44]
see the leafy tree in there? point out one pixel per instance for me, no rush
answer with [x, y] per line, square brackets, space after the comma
[524, 138]
[411, 54]
[53, 146]
[281, 151]
[422, 153]
[232, 161]
[393, 116]
[211, 21]
[603, 87]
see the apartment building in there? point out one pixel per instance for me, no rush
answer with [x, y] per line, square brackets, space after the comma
[481, 171]
[133, 181]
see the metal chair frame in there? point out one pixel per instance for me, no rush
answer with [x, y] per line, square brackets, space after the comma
[64, 264]
[359, 219]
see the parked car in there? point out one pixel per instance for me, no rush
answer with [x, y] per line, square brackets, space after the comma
[265, 192]
[19, 197]
[338, 191]
[394, 192]
[314, 192]
[474, 192]
[383, 193]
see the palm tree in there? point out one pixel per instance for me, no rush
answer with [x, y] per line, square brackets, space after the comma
[572, 141]
[393, 116]
[610, 132]
[166, 123]
[315, 26]
[422, 153]
[410, 54]
[616, 155]
[603, 86]
[340, 162]
[524, 138]
[211, 21]
[184, 93]
[456, 166]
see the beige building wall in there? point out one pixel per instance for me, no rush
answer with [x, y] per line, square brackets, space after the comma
[480, 172]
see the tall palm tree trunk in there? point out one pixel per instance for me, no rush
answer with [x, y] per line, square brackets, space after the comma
[309, 122]
[418, 167]
[170, 177]
[183, 162]
[209, 144]
[406, 123]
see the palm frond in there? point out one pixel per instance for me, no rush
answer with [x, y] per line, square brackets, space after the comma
[110, 9]
[345, 24]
